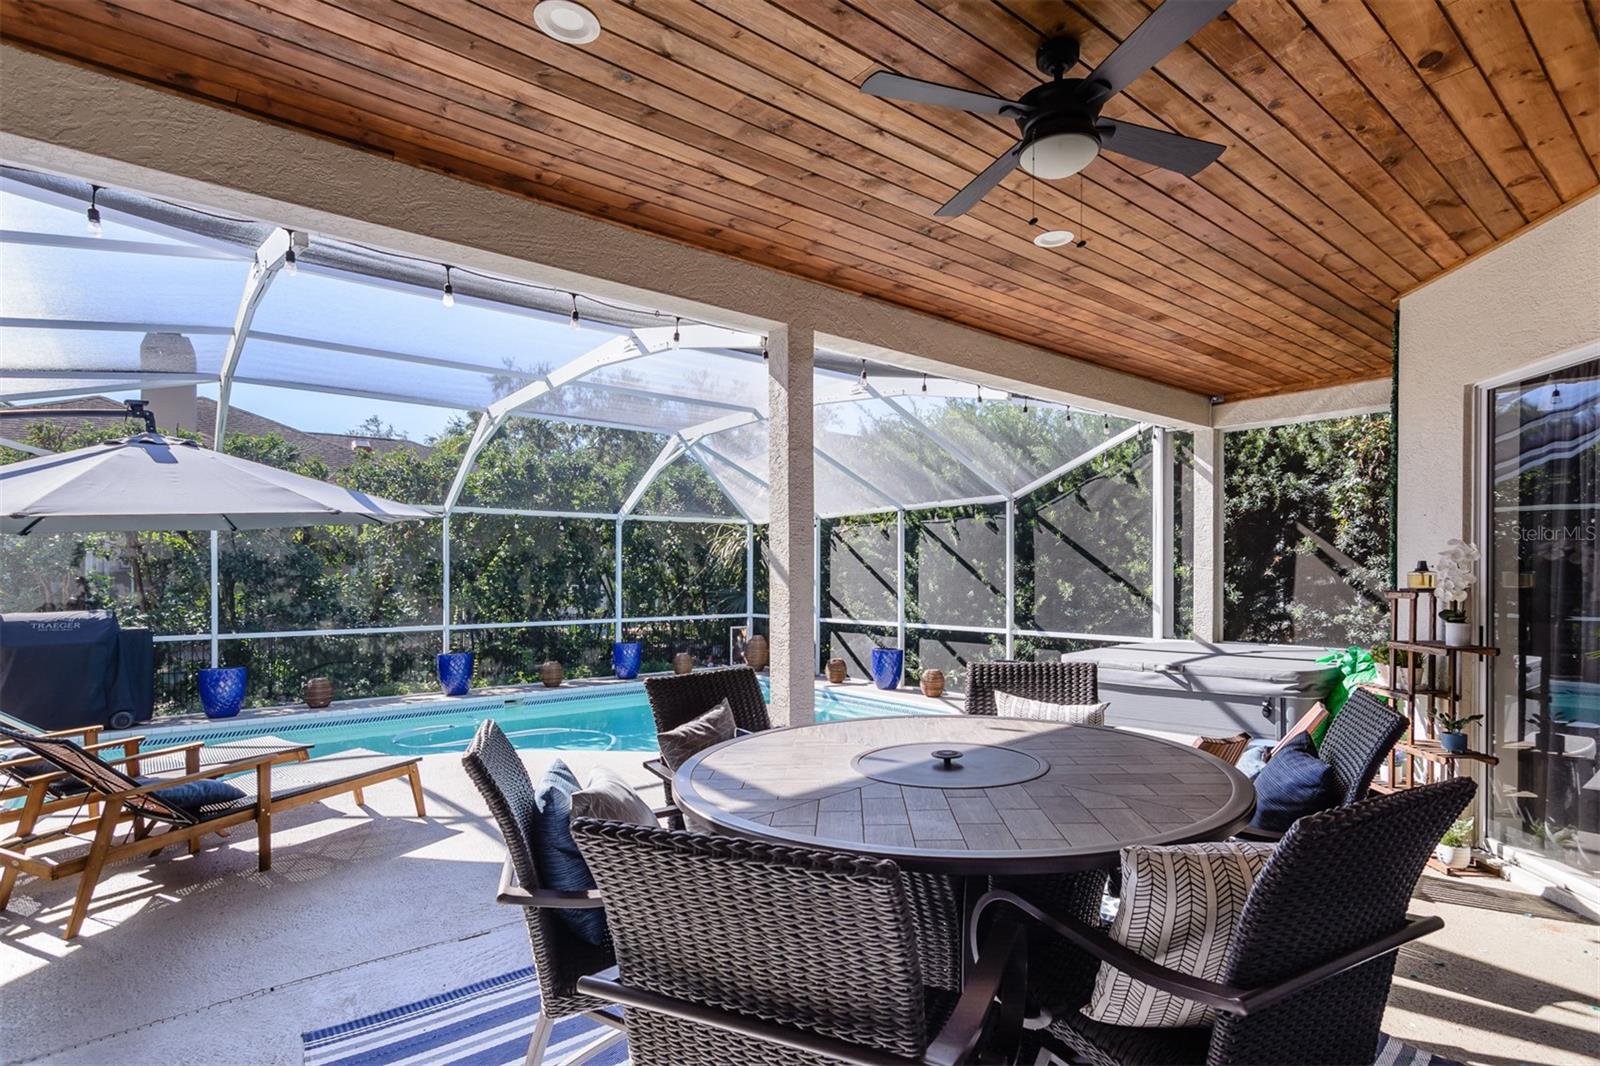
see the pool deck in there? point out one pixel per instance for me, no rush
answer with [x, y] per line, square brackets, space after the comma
[205, 960]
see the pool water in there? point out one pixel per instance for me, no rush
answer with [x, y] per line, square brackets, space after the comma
[615, 719]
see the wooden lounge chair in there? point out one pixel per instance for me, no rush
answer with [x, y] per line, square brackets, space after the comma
[32, 788]
[273, 787]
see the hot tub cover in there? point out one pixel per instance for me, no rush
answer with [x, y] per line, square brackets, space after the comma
[1286, 669]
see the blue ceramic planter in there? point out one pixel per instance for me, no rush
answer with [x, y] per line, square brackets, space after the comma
[1454, 743]
[222, 690]
[455, 672]
[625, 658]
[887, 664]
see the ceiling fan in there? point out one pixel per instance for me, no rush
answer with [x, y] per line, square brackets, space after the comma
[1062, 128]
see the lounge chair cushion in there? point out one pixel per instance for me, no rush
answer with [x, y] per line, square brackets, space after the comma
[193, 795]
[1010, 706]
[609, 797]
[1180, 906]
[61, 786]
[1293, 784]
[679, 745]
[555, 854]
[1254, 759]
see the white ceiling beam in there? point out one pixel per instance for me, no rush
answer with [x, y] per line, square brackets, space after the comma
[1077, 461]
[616, 350]
[669, 452]
[93, 383]
[91, 325]
[103, 244]
[957, 452]
[269, 260]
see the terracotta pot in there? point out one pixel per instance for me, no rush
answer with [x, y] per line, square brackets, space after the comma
[552, 674]
[682, 663]
[836, 671]
[933, 683]
[757, 653]
[318, 692]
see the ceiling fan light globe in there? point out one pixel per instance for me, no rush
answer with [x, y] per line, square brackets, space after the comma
[1059, 155]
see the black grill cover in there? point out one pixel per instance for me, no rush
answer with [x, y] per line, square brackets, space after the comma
[68, 669]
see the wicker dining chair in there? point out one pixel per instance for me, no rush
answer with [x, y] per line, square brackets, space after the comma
[1356, 744]
[560, 956]
[1077, 894]
[1053, 682]
[735, 951]
[1312, 958]
[681, 698]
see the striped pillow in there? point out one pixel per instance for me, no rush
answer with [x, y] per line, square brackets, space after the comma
[1009, 706]
[1179, 908]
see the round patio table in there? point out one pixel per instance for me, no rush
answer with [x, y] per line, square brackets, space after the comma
[964, 795]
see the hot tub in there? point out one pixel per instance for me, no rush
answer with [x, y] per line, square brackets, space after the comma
[1188, 686]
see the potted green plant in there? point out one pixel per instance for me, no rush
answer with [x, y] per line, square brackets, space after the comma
[1452, 731]
[1455, 847]
[1457, 571]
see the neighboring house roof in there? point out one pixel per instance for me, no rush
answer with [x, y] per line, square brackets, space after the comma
[337, 450]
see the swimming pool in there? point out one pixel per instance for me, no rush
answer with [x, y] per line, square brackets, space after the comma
[612, 718]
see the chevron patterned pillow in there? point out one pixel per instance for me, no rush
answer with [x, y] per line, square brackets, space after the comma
[1009, 706]
[1179, 908]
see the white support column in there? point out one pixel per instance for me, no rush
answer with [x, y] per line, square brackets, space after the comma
[793, 533]
[900, 577]
[1162, 605]
[1011, 575]
[444, 556]
[215, 611]
[269, 261]
[1208, 548]
[749, 580]
[616, 596]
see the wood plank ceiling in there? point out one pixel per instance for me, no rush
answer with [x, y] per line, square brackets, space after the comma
[1371, 144]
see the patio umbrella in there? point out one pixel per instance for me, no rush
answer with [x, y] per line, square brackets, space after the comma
[152, 482]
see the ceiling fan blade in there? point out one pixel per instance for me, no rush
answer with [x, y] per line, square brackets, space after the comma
[978, 187]
[1168, 26]
[895, 87]
[1170, 151]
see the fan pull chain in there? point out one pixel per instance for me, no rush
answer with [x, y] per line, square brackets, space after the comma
[1083, 236]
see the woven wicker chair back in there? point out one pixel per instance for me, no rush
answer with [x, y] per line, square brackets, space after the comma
[817, 941]
[559, 956]
[96, 774]
[1055, 682]
[1339, 879]
[682, 697]
[1358, 740]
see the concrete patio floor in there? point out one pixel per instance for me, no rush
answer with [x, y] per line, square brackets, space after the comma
[205, 960]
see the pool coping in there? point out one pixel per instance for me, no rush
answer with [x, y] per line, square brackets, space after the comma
[261, 721]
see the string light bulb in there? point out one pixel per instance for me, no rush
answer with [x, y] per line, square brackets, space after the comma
[291, 263]
[863, 371]
[763, 349]
[449, 297]
[93, 214]
[980, 393]
[677, 331]
[573, 321]
[924, 383]
[1105, 423]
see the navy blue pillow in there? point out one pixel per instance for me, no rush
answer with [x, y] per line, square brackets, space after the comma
[1294, 783]
[192, 795]
[555, 853]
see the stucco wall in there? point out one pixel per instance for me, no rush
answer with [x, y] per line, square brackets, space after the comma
[1535, 297]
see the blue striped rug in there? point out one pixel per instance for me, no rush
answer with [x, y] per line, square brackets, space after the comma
[489, 1024]
[484, 1024]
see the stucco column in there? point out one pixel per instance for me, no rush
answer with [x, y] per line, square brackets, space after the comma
[793, 574]
[1208, 521]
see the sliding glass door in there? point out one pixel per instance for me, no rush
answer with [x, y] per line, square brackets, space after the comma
[1543, 587]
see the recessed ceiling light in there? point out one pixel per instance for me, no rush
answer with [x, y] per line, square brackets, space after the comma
[566, 21]
[1053, 238]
